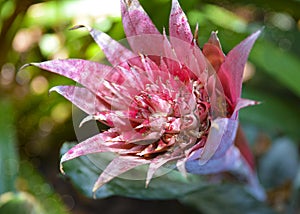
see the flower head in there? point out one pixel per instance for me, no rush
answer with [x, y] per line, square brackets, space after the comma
[163, 100]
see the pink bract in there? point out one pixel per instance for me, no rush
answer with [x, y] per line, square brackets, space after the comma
[164, 100]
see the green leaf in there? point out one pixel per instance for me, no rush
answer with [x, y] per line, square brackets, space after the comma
[8, 157]
[282, 65]
[84, 173]
[222, 17]
[225, 199]
[194, 190]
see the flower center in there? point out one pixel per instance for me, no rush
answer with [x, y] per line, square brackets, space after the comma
[176, 117]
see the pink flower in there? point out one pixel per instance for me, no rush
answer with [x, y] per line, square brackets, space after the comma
[164, 100]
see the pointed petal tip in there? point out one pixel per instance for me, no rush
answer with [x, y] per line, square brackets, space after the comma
[136, 22]
[149, 177]
[147, 183]
[231, 71]
[97, 185]
[181, 167]
[127, 2]
[214, 39]
[61, 169]
[257, 33]
[131, 3]
[58, 89]
[94, 193]
[86, 119]
[81, 26]
[250, 40]
[179, 26]
[63, 159]
[36, 64]
[175, 3]
[214, 34]
[94, 190]
[196, 32]
[54, 89]
[25, 66]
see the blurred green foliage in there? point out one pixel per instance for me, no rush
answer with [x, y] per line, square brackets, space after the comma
[9, 163]
[34, 125]
[22, 189]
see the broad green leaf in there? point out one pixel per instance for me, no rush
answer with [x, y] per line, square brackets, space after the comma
[8, 157]
[84, 173]
[194, 190]
[225, 199]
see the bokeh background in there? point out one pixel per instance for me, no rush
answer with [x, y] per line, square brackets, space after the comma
[34, 124]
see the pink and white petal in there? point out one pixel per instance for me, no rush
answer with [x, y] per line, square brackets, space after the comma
[231, 71]
[156, 163]
[120, 120]
[227, 138]
[116, 53]
[149, 67]
[181, 36]
[216, 94]
[135, 20]
[224, 163]
[180, 165]
[82, 98]
[115, 94]
[178, 24]
[95, 144]
[197, 63]
[88, 73]
[169, 56]
[179, 54]
[214, 40]
[242, 103]
[134, 150]
[116, 167]
[138, 73]
[188, 55]
[213, 52]
[168, 50]
[232, 161]
[220, 138]
[133, 136]
[137, 25]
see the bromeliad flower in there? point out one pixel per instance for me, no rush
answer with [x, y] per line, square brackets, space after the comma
[165, 100]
